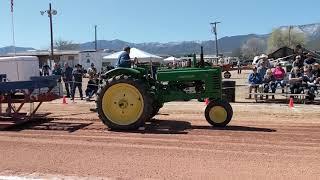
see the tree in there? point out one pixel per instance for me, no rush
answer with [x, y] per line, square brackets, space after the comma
[253, 47]
[236, 52]
[66, 45]
[280, 38]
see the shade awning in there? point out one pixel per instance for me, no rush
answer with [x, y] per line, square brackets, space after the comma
[136, 53]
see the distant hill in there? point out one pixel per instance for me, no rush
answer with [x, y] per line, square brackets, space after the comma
[226, 44]
[9, 49]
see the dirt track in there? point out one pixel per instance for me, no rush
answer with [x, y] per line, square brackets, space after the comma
[260, 143]
[263, 141]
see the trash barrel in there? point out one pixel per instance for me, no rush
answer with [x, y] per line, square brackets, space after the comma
[229, 90]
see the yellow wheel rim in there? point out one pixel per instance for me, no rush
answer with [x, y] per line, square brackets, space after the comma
[218, 114]
[122, 104]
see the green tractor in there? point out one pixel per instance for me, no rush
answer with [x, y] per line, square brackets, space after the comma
[131, 96]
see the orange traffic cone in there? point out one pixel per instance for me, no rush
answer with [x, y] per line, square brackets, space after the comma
[291, 103]
[207, 101]
[64, 100]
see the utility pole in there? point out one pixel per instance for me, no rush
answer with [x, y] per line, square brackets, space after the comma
[95, 38]
[51, 32]
[214, 30]
[51, 12]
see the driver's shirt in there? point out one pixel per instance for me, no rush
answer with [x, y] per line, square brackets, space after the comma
[124, 60]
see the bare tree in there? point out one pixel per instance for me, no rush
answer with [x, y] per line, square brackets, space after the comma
[66, 45]
[280, 38]
[253, 47]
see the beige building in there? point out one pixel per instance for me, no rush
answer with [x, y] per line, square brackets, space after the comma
[71, 57]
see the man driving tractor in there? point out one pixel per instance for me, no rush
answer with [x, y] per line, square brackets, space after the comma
[124, 60]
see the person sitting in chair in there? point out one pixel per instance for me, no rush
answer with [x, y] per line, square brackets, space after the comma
[310, 59]
[316, 72]
[295, 81]
[269, 82]
[255, 80]
[279, 74]
[309, 82]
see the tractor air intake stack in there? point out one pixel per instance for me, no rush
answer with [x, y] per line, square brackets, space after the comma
[201, 58]
[194, 60]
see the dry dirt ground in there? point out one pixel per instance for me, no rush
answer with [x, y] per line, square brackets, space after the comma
[263, 141]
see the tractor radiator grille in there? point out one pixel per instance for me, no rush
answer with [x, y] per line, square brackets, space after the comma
[216, 82]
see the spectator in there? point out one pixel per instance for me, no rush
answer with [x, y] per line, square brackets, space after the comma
[299, 52]
[308, 77]
[239, 66]
[67, 78]
[298, 62]
[269, 82]
[316, 72]
[279, 74]
[57, 71]
[309, 82]
[263, 65]
[77, 83]
[264, 61]
[92, 88]
[92, 71]
[310, 60]
[295, 81]
[45, 70]
[254, 81]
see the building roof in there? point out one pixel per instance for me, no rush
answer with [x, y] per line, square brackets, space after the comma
[45, 53]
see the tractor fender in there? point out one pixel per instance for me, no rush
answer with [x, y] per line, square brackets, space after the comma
[121, 71]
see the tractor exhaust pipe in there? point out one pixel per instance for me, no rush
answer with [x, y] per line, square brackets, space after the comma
[201, 58]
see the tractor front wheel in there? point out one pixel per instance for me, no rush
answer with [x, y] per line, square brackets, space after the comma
[124, 103]
[218, 113]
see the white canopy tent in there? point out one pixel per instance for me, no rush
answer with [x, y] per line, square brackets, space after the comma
[171, 59]
[134, 53]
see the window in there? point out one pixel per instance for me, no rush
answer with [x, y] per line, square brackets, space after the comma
[70, 58]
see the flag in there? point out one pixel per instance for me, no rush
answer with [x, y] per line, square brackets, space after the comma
[11, 5]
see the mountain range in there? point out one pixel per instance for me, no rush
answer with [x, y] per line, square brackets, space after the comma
[226, 44]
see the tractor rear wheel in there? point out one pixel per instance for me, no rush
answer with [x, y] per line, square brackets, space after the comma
[155, 111]
[124, 103]
[218, 113]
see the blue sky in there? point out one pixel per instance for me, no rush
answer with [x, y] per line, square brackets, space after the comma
[149, 20]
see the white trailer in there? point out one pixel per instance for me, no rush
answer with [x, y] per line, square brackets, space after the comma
[19, 68]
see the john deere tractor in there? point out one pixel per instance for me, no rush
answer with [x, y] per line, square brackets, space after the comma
[131, 96]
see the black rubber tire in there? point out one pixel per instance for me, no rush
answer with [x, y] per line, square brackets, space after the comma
[156, 106]
[155, 111]
[146, 98]
[229, 91]
[223, 104]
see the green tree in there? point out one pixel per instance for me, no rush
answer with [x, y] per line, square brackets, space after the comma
[280, 38]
